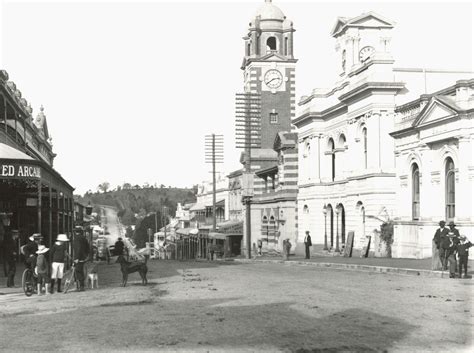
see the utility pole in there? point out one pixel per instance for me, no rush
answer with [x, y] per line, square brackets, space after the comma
[214, 147]
[248, 136]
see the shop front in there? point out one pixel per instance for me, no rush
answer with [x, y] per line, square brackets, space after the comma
[34, 198]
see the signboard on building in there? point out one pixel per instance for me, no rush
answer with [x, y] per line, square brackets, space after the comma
[20, 171]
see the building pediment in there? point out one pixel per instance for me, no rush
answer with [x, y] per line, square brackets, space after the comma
[366, 20]
[438, 109]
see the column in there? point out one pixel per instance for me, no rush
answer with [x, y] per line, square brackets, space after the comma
[63, 217]
[39, 207]
[50, 216]
[464, 186]
[57, 212]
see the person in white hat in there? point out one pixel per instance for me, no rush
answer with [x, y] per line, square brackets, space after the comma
[58, 258]
[42, 268]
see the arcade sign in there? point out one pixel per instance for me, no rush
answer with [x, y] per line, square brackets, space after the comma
[20, 171]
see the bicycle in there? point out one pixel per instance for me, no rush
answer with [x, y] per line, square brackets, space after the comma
[69, 277]
[28, 282]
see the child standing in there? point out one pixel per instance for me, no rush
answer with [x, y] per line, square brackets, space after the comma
[42, 269]
[463, 254]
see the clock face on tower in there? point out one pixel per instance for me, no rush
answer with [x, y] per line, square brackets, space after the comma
[273, 78]
[365, 52]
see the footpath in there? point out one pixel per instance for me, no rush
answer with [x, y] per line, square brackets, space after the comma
[414, 267]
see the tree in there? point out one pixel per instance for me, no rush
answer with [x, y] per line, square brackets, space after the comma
[126, 186]
[104, 186]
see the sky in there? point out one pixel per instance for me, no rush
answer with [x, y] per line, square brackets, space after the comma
[131, 88]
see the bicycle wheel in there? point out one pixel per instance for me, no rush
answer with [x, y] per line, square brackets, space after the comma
[69, 277]
[27, 282]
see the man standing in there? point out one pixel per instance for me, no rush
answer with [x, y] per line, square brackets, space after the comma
[307, 243]
[440, 234]
[9, 255]
[30, 249]
[81, 252]
[118, 247]
[453, 229]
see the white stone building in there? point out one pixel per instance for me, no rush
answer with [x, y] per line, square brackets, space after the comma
[346, 156]
[435, 167]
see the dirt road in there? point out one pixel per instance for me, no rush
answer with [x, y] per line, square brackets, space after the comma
[200, 307]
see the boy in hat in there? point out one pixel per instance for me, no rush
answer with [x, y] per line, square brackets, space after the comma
[58, 257]
[463, 254]
[42, 269]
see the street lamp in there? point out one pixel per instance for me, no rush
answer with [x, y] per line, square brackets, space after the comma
[338, 210]
[325, 211]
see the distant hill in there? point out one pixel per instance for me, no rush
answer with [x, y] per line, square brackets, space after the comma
[140, 201]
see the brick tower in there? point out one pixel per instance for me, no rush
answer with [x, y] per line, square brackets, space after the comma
[269, 70]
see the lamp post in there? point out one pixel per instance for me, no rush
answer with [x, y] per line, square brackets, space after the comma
[325, 211]
[338, 210]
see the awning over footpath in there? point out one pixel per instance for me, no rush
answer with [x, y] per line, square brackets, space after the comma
[232, 227]
[199, 206]
[15, 164]
[213, 235]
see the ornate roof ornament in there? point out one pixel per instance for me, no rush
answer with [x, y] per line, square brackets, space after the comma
[40, 118]
[3, 76]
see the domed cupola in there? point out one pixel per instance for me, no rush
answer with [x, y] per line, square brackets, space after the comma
[270, 32]
[270, 12]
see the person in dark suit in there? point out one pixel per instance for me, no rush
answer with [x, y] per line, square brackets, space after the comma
[453, 229]
[441, 236]
[307, 243]
[81, 253]
[10, 247]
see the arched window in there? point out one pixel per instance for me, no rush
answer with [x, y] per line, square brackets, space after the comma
[271, 44]
[415, 192]
[248, 49]
[333, 159]
[286, 45]
[450, 189]
[305, 209]
[364, 139]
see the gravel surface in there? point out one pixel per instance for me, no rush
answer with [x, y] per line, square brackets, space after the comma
[217, 307]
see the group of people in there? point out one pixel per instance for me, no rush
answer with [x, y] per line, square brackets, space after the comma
[47, 264]
[450, 250]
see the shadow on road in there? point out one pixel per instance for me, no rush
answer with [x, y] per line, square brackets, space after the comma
[200, 325]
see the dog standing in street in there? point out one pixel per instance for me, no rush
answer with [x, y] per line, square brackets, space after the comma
[130, 267]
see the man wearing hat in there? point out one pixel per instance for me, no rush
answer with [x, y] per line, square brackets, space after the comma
[81, 252]
[440, 234]
[58, 258]
[30, 249]
[453, 229]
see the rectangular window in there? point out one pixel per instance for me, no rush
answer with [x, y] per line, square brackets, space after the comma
[273, 118]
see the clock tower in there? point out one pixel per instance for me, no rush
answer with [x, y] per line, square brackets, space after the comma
[269, 70]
